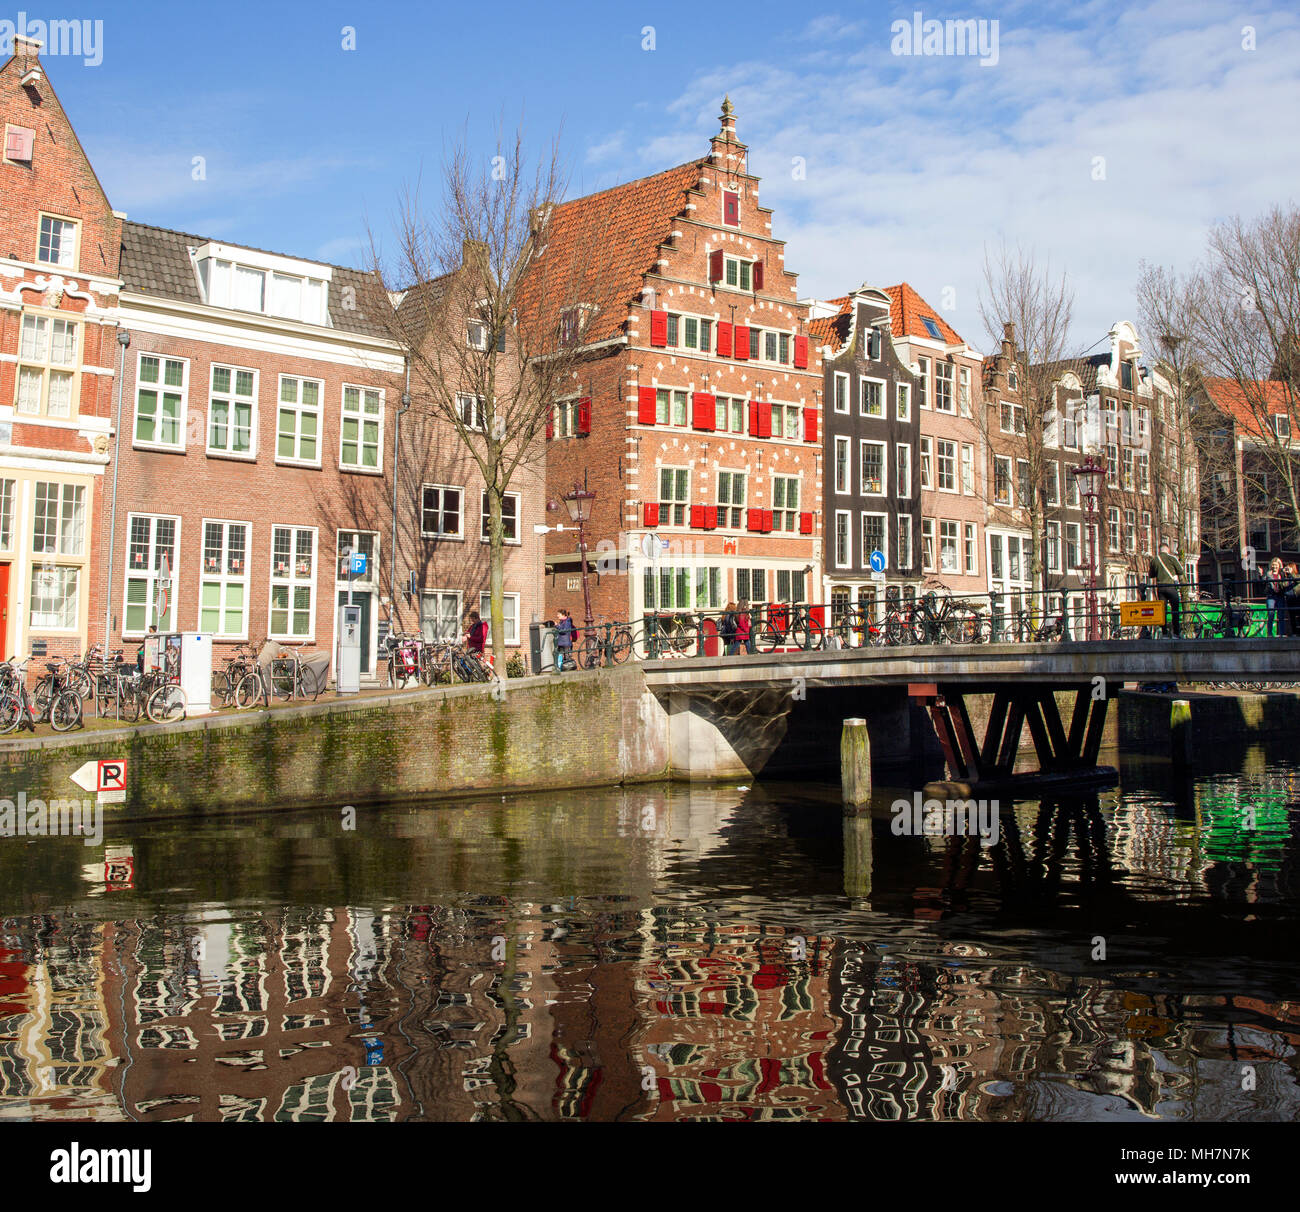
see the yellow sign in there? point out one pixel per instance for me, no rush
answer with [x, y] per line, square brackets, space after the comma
[1142, 614]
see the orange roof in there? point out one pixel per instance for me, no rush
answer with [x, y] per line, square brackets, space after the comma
[907, 309]
[601, 246]
[832, 330]
[1248, 407]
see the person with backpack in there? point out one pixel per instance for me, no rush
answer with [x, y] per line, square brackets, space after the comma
[727, 630]
[564, 633]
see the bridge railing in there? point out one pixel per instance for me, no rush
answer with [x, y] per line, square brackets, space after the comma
[933, 615]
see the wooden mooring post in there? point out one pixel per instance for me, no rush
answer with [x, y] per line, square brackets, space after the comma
[855, 764]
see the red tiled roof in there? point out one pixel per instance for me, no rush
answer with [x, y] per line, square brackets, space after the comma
[610, 241]
[906, 310]
[1248, 407]
[832, 330]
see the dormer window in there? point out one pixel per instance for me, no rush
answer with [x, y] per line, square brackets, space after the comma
[245, 285]
[932, 327]
[1126, 376]
[1282, 427]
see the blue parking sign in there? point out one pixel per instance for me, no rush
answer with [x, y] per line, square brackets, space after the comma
[357, 568]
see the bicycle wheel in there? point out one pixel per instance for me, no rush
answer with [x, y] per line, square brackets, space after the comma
[306, 684]
[770, 637]
[620, 645]
[65, 711]
[11, 711]
[282, 679]
[893, 630]
[166, 704]
[42, 694]
[807, 633]
[250, 691]
[588, 653]
[80, 681]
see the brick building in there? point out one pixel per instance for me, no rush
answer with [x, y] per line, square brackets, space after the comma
[951, 442]
[257, 409]
[59, 284]
[871, 445]
[695, 415]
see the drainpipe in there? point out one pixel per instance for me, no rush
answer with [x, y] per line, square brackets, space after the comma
[397, 438]
[123, 340]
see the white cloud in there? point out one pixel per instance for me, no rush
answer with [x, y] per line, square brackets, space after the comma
[914, 164]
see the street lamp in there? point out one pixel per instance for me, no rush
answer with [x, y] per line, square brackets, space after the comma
[1088, 475]
[579, 503]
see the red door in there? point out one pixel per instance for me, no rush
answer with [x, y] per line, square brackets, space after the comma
[4, 611]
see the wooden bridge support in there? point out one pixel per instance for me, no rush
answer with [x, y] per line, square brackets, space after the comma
[1060, 751]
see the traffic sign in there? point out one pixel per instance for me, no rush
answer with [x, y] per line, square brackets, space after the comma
[878, 577]
[357, 567]
[877, 561]
[106, 778]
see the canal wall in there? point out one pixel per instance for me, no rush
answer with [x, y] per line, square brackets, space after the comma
[582, 729]
[1216, 719]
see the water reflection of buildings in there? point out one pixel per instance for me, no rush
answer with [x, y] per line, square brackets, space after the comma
[667, 1001]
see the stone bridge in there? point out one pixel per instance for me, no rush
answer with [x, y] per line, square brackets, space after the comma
[966, 706]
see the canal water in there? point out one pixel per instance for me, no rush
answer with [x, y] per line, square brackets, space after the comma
[666, 953]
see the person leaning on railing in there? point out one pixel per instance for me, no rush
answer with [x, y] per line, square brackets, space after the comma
[1167, 576]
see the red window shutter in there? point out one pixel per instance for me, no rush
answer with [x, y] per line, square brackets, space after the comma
[805, 523]
[724, 339]
[810, 425]
[710, 517]
[550, 428]
[767, 521]
[801, 353]
[765, 418]
[742, 342]
[730, 207]
[704, 411]
[755, 428]
[650, 513]
[758, 276]
[715, 266]
[659, 328]
[584, 416]
[818, 614]
[754, 519]
[645, 406]
[697, 517]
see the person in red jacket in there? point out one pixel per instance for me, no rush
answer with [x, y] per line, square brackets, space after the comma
[744, 628]
[476, 635]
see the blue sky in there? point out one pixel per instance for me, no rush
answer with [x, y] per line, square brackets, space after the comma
[911, 165]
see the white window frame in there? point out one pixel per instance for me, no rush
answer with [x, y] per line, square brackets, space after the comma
[793, 528]
[844, 530]
[1053, 544]
[517, 541]
[672, 502]
[963, 391]
[47, 367]
[951, 381]
[293, 580]
[967, 469]
[150, 574]
[903, 401]
[62, 518]
[439, 614]
[360, 415]
[955, 531]
[863, 490]
[738, 262]
[299, 408]
[927, 544]
[1009, 462]
[882, 398]
[903, 471]
[927, 463]
[460, 513]
[731, 473]
[222, 575]
[840, 385]
[64, 571]
[216, 451]
[73, 263]
[843, 464]
[885, 537]
[955, 447]
[485, 613]
[971, 545]
[901, 549]
[160, 388]
[924, 386]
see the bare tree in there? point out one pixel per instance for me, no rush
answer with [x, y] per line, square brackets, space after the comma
[1184, 445]
[1021, 298]
[1244, 332]
[487, 321]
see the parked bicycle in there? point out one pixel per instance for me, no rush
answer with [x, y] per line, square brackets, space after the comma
[789, 626]
[18, 709]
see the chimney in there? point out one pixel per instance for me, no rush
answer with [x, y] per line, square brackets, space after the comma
[27, 51]
[727, 150]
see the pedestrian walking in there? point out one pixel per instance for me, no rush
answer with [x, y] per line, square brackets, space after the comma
[728, 630]
[1167, 575]
[564, 633]
[744, 627]
[1291, 592]
[1275, 604]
